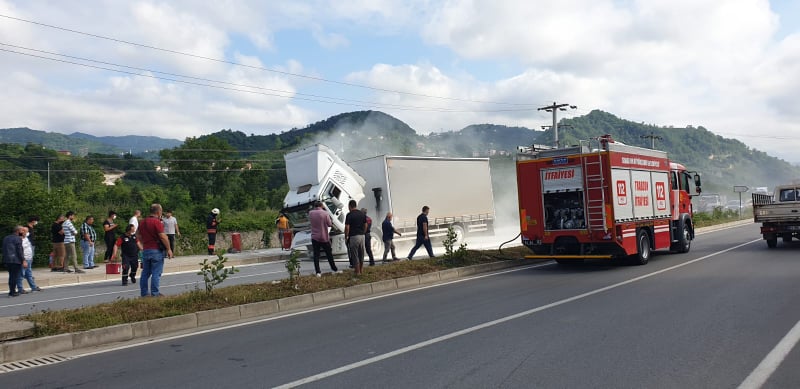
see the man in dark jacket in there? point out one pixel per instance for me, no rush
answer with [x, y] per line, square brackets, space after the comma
[13, 259]
[423, 239]
[388, 236]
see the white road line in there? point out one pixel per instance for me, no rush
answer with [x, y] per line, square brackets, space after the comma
[323, 308]
[465, 331]
[163, 274]
[764, 370]
[131, 290]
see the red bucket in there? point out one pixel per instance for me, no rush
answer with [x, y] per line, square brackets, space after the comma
[113, 268]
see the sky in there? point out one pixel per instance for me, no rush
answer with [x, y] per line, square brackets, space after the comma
[185, 68]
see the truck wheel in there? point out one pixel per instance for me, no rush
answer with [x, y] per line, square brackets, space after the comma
[461, 234]
[787, 238]
[684, 242]
[376, 242]
[642, 247]
[772, 242]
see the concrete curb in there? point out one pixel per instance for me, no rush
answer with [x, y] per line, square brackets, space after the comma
[32, 348]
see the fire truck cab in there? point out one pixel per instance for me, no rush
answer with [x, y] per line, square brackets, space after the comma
[610, 201]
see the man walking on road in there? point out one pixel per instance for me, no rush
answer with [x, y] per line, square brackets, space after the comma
[388, 236]
[155, 245]
[13, 259]
[355, 223]
[422, 234]
[320, 221]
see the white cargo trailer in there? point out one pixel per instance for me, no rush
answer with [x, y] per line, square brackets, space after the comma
[458, 191]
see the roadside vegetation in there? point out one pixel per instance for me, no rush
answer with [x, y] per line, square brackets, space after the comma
[720, 216]
[199, 299]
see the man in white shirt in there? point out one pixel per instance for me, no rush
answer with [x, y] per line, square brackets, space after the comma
[135, 220]
[27, 273]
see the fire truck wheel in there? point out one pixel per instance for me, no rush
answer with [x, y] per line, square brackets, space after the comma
[684, 242]
[772, 242]
[786, 238]
[642, 247]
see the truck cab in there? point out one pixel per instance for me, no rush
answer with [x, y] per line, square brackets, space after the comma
[317, 173]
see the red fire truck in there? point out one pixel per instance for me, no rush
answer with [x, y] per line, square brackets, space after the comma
[611, 201]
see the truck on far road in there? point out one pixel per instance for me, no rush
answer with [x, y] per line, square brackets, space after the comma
[457, 190]
[779, 214]
[609, 201]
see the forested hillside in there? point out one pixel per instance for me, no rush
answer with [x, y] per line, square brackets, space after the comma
[721, 161]
[82, 144]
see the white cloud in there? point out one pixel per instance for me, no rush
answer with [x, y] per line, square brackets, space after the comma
[730, 66]
[328, 40]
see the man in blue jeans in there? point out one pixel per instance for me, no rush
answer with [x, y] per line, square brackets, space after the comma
[155, 246]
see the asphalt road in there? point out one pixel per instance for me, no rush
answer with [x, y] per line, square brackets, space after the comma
[706, 319]
[95, 292]
[89, 293]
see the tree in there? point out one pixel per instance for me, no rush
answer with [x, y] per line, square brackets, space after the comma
[206, 167]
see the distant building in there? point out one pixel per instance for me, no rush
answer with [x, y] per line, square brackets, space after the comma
[64, 152]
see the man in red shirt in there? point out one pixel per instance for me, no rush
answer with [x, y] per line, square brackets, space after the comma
[155, 246]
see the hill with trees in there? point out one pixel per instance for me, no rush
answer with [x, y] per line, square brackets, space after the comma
[244, 175]
[81, 144]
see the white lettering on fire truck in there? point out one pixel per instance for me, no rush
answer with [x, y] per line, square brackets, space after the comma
[559, 174]
[641, 162]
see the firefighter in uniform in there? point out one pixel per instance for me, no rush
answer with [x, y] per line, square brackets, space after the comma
[212, 221]
[128, 247]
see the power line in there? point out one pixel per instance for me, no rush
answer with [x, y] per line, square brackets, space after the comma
[258, 67]
[290, 93]
[373, 105]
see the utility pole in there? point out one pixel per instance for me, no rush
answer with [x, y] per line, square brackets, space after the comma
[652, 138]
[554, 108]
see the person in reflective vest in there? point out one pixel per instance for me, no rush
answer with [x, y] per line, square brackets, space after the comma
[212, 222]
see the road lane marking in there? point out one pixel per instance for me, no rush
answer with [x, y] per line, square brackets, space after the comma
[152, 340]
[759, 376]
[298, 313]
[136, 291]
[163, 274]
[492, 323]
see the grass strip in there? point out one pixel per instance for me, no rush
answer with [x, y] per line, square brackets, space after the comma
[126, 310]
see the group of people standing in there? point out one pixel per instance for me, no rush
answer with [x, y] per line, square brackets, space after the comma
[148, 243]
[357, 233]
[18, 249]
